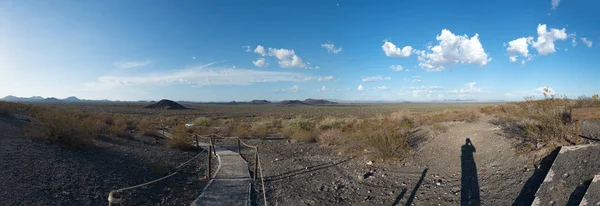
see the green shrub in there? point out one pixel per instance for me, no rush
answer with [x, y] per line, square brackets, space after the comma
[202, 122]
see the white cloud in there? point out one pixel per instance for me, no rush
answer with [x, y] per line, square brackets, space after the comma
[587, 42]
[392, 51]
[287, 58]
[375, 79]
[360, 88]
[469, 88]
[260, 62]
[131, 64]
[323, 88]
[545, 40]
[554, 3]
[204, 75]
[295, 88]
[193, 57]
[451, 50]
[331, 48]
[260, 50]
[325, 79]
[519, 47]
[247, 48]
[396, 67]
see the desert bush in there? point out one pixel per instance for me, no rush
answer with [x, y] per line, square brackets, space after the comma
[537, 123]
[182, 131]
[331, 137]
[147, 128]
[585, 101]
[202, 122]
[180, 142]
[119, 128]
[260, 128]
[66, 128]
[333, 123]
[304, 136]
[467, 115]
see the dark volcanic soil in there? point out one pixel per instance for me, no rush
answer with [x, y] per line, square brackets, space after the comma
[34, 172]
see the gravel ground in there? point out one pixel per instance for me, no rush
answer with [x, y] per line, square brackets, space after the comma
[444, 170]
[37, 173]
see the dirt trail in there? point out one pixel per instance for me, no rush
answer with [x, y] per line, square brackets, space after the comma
[488, 170]
[442, 170]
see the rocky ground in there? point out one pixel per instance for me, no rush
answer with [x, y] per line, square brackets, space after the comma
[34, 172]
[444, 170]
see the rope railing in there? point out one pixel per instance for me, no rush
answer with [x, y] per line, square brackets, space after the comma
[115, 197]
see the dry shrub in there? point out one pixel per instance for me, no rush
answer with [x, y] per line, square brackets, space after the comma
[385, 138]
[202, 122]
[304, 136]
[300, 129]
[183, 131]
[331, 137]
[180, 142]
[240, 130]
[65, 128]
[537, 123]
[260, 128]
[119, 128]
[333, 123]
[147, 128]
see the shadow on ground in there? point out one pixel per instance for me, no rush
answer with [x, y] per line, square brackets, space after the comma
[530, 187]
[469, 190]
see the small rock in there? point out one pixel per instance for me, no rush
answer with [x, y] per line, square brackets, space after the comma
[370, 163]
[566, 175]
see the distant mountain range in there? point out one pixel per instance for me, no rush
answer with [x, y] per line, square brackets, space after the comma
[11, 98]
[308, 101]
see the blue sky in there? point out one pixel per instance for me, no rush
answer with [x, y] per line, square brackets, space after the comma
[348, 50]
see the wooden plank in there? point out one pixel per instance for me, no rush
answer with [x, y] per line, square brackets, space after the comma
[585, 113]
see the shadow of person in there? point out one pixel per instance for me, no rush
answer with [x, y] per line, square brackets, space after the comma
[469, 185]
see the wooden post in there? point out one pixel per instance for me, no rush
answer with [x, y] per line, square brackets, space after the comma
[255, 163]
[239, 145]
[576, 132]
[114, 199]
[163, 129]
[212, 141]
[209, 160]
[197, 143]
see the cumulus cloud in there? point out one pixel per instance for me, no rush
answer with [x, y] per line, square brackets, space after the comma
[205, 75]
[131, 64]
[453, 49]
[325, 79]
[375, 79]
[287, 58]
[331, 48]
[260, 50]
[396, 67]
[587, 42]
[360, 88]
[469, 88]
[545, 40]
[544, 44]
[519, 47]
[554, 3]
[322, 89]
[260, 62]
[391, 50]
[294, 88]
